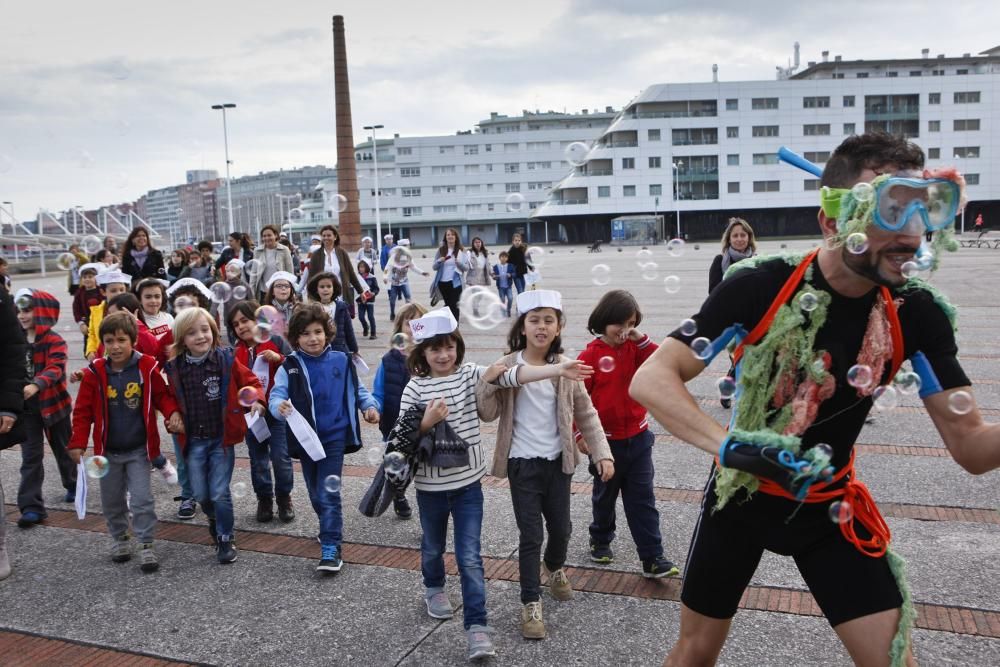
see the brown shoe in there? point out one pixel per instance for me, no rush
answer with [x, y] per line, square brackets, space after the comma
[559, 586]
[265, 508]
[285, 510]
[532, 625]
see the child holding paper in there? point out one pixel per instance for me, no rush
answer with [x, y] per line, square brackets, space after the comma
[264, 358]
[317, 391]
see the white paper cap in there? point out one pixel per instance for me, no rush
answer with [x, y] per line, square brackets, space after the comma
[96, 267]
[282, 275]
[113, 276]
[434, 323]
[403, 242]
[538, 298]
[190, 282]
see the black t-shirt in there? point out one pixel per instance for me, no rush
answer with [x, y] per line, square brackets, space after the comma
[745, 297]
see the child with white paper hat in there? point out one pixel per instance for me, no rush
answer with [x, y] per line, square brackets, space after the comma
[112, 282]
[281, 293]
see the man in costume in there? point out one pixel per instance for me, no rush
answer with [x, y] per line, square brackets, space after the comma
[819, 338]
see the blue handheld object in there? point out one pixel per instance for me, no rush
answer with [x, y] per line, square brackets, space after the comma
[796, 160]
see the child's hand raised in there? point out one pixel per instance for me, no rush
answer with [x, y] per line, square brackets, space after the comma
[635, 335]
[285, 408]
[494, 370]
[271, 356]
[574, 369]
[371, 416]
[75, 376]
[606, 469]
[435, 411]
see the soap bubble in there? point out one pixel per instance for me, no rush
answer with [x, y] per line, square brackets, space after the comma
[606, 364]
[252, 268]
[90, 244]
[221, 292]
[239, 293]
[856, 243]
[6, 163]
[961, 403]
[402, 257]
[576, 153]
[400, 341]
[296, 214]
[514, 202]
[650, 271]
[247, 396]
[859, 376]
[689, 327]
[924, 259]
[823, 449]
[726, 387]
[96, 466]
[885, 397]
[394, 462]
[120, 180]
[909, 269]
[675, 247]
[374, 456]
[600, 274]
[907, 383]
[85, 160]
[702, 348]
[339, 203]
[863, 192]
[841, 511]
[119, 70]
[332, 484]
[268, 315]
[239, 490]
[808, 301]
[482, 307]
[65, 261]
[184, 301]
[535, 256]
[642, 256]
[262, 333]
[672, 284]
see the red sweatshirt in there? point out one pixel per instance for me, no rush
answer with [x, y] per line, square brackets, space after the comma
[621, 416]
[246, 356]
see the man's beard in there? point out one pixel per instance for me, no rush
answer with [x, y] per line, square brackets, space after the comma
[862, 265]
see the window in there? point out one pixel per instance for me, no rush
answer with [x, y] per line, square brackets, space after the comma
[916, 72]
[539, 185]
[933, 126]
[471, 189]
[848, 100]
[732, 104]
[965, 124]
[511, 168]
[409, 211]
[539, 145]
[445, 150]
[838, 75]
[628, 191]
[448, 208]
[539, 165]
[933, 98]
[937, 72]
[409, 172]
[489, 207]
[765, 131]
[759, 103]
[473, 208]
[732, 132]
[603, 191]
[512, 187]
[489, 187]
[766, 186]
[848, 128]
[817, 157]
[444, 189]
[654, 162]
[810, 184]
[511, 148]
[816, 129]
[472, 168]
[733, 187]
[655, 189]
[628, 163]
[967, 151]
[471, 150]
[489, 148]
[445, 169]
[652, 135]
[933, 153]
[765, 158]
[816, 102]
[972, 179]
[892, 74]
[961, 71]
[411, 192]
[862, 75]
[404, 150]
[733, 160]
[970, 97]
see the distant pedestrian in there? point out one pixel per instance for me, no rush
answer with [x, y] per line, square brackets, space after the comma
[140, 259]
[366, 302]
[516, 255]
[738, 243]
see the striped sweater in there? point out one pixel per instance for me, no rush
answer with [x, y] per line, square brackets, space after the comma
[49, 358]
[459, 392]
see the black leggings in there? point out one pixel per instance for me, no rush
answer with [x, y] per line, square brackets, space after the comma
[451, 295]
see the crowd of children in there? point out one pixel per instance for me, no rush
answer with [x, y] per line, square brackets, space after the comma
[159, 349]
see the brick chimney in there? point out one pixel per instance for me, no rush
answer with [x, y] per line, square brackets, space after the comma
[347, 174]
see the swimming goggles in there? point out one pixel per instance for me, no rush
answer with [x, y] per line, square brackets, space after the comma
[901, 203]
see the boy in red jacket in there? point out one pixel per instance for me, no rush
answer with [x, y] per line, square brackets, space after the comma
[118, 396]
[617, 352]
[46, 403]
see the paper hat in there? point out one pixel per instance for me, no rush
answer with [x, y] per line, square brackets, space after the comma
[387, 236]
[434, 323]
[96, 267]
[189, 282]
[238, 263]
[403, 242]
[538, 298]
[23, 293]
[367, 238]
[113, 276]
[282, 275]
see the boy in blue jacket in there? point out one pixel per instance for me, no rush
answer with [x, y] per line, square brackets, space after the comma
[322, 385]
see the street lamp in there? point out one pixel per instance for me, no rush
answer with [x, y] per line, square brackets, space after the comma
[225, 138]
[677, 193]
[378, 220]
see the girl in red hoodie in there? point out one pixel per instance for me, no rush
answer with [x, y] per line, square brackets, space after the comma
[617, 352]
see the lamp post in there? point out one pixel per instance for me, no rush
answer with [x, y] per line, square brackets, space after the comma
[959, 157]
[13, 226]
[677, 193]
[281, 209]
[225, 139]
[378, 220]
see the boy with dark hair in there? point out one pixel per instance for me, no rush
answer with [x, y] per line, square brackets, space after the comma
[47, 404]
[119, 395]
[503, 274]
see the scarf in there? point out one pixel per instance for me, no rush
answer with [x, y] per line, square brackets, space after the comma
[140, 256]
[731, 256]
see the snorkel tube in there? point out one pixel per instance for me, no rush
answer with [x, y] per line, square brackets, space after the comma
[791, 157]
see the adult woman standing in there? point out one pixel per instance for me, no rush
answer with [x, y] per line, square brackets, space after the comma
[238, 248]
[331, 257]
[140, 259]
[451, 261]
[737, 243]
[518, 259]
[479, 264]
[270, 257]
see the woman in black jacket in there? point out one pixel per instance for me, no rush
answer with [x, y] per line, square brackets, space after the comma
[239, 248]
[517, 258]
[12, 381]
[140, 259]
[738, 243]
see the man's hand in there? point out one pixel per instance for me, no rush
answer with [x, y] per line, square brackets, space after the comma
[271, 356]
[75, 455]
[606, 469]
[285, 408]
[494, 370]
[30, 390]
[7, 423]
[574, 369]
[436, 410]
[371, 416]
[792, 472]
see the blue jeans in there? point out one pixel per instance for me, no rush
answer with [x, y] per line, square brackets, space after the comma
[326, 503]
[396, 291]
[182, 471]
[465, 506]
[210, 469]
[366, 314]
[634, 480]
[274, 451]
[518, 284]
[506, 298]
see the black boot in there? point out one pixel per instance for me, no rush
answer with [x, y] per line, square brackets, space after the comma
[225, 550]
[401, 506]
[285, 510]
[265, 508]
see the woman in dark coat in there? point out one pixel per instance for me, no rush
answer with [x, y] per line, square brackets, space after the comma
[737, 243]
[238, 248]
[517, 258]
[331, 257]
[140, 259]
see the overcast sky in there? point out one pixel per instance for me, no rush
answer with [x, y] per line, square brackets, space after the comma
[103, 100]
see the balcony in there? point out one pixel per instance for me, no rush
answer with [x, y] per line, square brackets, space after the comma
[618, 144]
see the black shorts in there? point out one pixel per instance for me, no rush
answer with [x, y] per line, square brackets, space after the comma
[727, 546]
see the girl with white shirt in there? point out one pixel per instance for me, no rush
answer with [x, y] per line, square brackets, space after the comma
[451, 261]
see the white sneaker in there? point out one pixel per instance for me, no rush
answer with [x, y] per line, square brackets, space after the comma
[169, 473]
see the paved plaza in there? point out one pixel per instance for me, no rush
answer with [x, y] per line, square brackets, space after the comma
[66, 603]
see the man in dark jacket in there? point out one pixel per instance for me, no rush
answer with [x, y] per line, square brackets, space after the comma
[12, 381]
